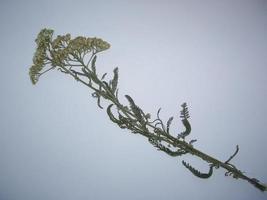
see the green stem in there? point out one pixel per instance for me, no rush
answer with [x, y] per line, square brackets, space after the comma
[168, 138]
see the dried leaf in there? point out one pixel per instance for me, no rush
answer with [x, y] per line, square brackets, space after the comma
[103, 76]
[136, 110]
[111, 116]
[169, 123]
[197, 172]
[93, 66]
[114, 82]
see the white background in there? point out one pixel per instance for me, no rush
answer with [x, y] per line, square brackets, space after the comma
[55, 143]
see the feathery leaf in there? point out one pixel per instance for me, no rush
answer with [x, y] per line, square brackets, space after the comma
[197, 172]
[136, 110]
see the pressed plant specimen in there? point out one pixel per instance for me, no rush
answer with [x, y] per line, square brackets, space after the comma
[77, 57]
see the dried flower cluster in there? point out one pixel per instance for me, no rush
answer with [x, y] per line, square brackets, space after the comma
[62, 50]
[77, 58]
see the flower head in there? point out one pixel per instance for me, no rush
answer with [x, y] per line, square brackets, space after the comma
[43, 40]
[100, 45]
[61, 50]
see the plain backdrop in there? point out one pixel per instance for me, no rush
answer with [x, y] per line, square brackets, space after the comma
[55, 143]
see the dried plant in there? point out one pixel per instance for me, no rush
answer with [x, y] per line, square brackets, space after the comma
[77, 58]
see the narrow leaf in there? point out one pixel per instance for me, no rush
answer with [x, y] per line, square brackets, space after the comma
[114, 82]
[93, 66]
[111, 116]
[169, 123]
[197, 172]
[103, 76]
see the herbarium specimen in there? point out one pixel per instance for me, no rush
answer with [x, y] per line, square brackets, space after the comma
[77, 57]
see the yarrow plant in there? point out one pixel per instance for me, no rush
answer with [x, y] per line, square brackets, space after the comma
[77, 57]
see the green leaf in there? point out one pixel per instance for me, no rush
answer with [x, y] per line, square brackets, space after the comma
[185, 115]
[93, 66]
[111, 116]
[96, 95]
[169, 123]
[184, 112]
[156, 143]
[197, 172]
[103, 76]
[114, 82]
[136, 110]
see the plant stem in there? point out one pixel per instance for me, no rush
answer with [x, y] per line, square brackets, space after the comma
[168, 138]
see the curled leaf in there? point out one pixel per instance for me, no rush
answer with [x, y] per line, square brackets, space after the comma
[98, 102]
[158, 113]
[185, 115]
[156, 143]
[111, 116]
[96, 95]
[197, 172]
[232, 156]
[158, 121]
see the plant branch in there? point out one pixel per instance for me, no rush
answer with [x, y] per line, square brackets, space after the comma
[63, 51]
